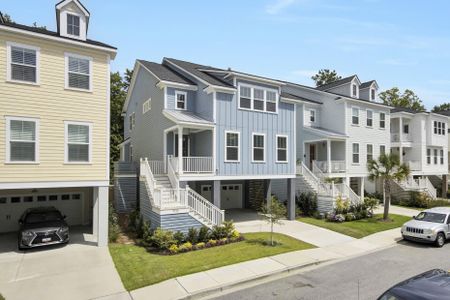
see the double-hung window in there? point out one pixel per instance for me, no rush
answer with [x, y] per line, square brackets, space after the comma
[282, 148]
[435, 156]
[382, 120]
[406, 128]
[435, 127]
[73, 25]
[181, 100]
[23, 63]
[369, 121]
[132, 121]
[355, 116]
[79, 72]
[22, 140]
[382, 150]
[428, 156]
[245, 97]
[369, 152]
[258, 147]
[271, 101]
[78, 142]
[355, 148]
[354, 91]
[232, 146]
[147, 106]
[441, 156]
[312, 115]
[372, 94]
[258, 99]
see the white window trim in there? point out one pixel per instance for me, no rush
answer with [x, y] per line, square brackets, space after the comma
[239, 147]
[359, 154]
[367, 117]
[367, 151]
[252, 98]
[8, 136]
[67, 24]
[429, 156]
[66, 72]
[379, 123]
[147, 103]
[9, 61]
[287, 148]
[351, 90]
[185, 100]
[66, 143]
[359, 116]
[315, 115]
[253, 147]
[384, 149]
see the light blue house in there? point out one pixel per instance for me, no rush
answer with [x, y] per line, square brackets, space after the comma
[207, 140]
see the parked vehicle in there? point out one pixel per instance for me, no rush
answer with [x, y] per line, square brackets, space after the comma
[42, 226]
[434, 284]
[430, 226]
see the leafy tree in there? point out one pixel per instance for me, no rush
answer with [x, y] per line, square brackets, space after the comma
[387, 168]
[38, 26]
[273, 213]
[407, 99]
[441, 107]
[325, 76]
[7, 18]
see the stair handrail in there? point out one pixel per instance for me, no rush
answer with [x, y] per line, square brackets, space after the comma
[171, 171]
[321, 187]
[150, 181]
[317, 170]
[204, 208]
[426, 184]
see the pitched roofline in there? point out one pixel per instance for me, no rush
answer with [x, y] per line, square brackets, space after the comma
[136, 68]
[63, 3]
[344, 82]
[372, 82]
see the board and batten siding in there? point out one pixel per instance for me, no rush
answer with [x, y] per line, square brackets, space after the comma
[53, 104]
[230, 118]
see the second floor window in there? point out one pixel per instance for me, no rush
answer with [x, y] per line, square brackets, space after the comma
[147, 106]
[245, 97]
[73, 25]
[435, 156]
[258, 148]
[441, 155]
[382, 120]
[439, 128]
[355, 153]
[259, 99]
[132, 121]
[372, 94]
[369, 118]
[429, 156]
[382, 149]
[355, 116]
[354, 90]
[22, 135]
[78, 142]
[406, 128]
[232, 146]
[312, 116]
[23, 64]
[282, 149]
[181, 99]
[369, 152]
[79, 73]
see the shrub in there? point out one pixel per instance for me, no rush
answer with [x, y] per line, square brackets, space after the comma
[133, 219]
[341, 206]
[185, 247]
[179, 237]
[212, 243]
[113, 228]
[192, 235]
[350, 217]
[200, 245]
[203, 234]
[307, 203]
[370, 204]
[162, 239]
[140, 227]
[173, 249]
[146, 232]
[223, 231]
[336, 218]
[235, 234]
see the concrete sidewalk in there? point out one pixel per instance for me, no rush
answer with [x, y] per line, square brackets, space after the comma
[207, 282]
[398, 210]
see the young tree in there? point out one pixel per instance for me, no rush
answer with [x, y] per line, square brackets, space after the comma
[441, 107]
[325, 76]
[7, 18]
[387, 168]
[273, 213]
[408, 99]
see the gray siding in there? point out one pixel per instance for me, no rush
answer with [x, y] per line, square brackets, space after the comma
[125, 193]
[171, 98]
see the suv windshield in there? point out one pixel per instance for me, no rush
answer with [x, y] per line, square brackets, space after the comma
[38, 217]
[431, 217]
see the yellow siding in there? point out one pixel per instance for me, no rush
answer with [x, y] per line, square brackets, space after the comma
[53, 104]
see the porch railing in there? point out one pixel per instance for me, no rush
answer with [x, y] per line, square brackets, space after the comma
[172, 165]
[406, 137]
[425, 184]
[343, 190]
[157, 167]
[204, 208]
[317, 184]
[198, 164]
[414, 165]
[337, 166]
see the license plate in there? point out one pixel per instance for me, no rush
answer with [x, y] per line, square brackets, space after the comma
[46, 240]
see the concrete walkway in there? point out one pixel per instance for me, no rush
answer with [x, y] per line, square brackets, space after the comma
[398, 210]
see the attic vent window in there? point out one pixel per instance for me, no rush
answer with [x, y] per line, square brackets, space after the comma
[372, 94]
[73, 25]
[354, 90]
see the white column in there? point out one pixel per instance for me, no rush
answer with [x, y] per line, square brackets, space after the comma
[216, 193]
[400, 154]
[214, 143]
[101, 211]
[165, 151]
[180, 150]
[328, 156]
[94, 211]
[400, 137]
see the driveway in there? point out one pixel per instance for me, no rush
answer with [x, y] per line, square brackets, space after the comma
[79, 270]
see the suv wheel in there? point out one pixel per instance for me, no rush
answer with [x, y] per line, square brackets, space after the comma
[440, 240]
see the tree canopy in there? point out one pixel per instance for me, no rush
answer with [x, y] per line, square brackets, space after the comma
[325, 76]
[441, 107]
[407, 99]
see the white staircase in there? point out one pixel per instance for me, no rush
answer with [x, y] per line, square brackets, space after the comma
[422, 185]
[167, 195]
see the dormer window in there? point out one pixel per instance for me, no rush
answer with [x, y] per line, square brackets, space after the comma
[354, 90]
[372, 94]
[180, 100]
[73, 25]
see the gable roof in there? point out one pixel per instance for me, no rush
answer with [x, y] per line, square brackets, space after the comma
[444, 113]
[298, 98]
[407, 110]
[60, 4]
[336, 83]
[366, 84]
[164, 73]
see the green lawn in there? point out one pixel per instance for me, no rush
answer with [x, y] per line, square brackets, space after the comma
[139, 268]
[359, 228]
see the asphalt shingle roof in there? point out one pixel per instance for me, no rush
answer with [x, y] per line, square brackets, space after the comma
[444, 113]
[404, 109]
[295, 97]
[165, 73]
[367, 84]
[187, 117]
[336, 83]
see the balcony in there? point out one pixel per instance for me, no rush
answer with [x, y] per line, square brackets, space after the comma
[415, 165]
[192, 164]
[336, 166]
[401, 138]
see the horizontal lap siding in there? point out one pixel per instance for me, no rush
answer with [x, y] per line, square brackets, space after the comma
[53, 105]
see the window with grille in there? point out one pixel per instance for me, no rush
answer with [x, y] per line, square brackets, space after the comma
[355, 148]
[258, 148]
[147, 106]
[22, 140]
[23, 64]
[245, 97]
[258, 98]
[271, 101]
[369, 152]
[441, 156]
[78, 142]
[312, 115]
[369, 121]
[73, 25]
[79, 73]
[428, 156]
[232, 146]
[282, 149]
[355, 116]
[181, 98]
[382, 120]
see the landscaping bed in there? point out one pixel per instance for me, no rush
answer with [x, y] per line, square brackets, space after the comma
[138, 267]
[359, 228]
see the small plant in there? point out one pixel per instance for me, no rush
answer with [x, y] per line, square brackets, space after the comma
[350, 217]
[212, 242]
[273, 213]
[200, 245]
[140, 228]
[218, 232]
[203, 234]
[228, 228]
[306, 203]
[179, 237]
[341, 205]
[162, 239]
[173, 249]
[146, 232]
[192, 235]
[113, 228]
[186, 247]
[370, 204]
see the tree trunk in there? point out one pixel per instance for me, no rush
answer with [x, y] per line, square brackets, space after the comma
[387, 199]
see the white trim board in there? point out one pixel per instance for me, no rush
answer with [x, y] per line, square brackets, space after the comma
[52, 184]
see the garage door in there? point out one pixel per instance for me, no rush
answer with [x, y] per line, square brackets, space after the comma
[12, 207]
[230, 195]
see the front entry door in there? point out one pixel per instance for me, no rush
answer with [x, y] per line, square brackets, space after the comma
[312, 155]
[186, 143]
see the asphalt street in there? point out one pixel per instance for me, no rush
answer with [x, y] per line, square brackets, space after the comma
[363, 277]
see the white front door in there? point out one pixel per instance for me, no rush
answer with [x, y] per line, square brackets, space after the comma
[230, 195]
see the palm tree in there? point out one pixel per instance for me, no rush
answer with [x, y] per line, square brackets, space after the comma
[387, 168]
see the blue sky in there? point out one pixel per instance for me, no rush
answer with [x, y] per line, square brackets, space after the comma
[399, 43]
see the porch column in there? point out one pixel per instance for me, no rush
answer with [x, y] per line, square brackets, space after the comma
[347, 181]
[180, 150]
[400, 154]
[94, 211]
[268, 192]
[100, 225]
[216, 193]
[361, 187]
[291, 199]
[328, 156]
[444, 186]
[400, 137]
[165, 151]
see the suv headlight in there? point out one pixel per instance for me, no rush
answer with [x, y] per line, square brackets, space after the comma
[63, 230]
[27, 234]
[428, 231]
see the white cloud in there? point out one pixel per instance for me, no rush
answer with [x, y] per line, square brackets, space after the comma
[278, 6]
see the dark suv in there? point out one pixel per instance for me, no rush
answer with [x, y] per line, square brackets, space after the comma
[42, 226]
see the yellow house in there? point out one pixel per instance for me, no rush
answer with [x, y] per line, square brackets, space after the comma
[54, 120]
